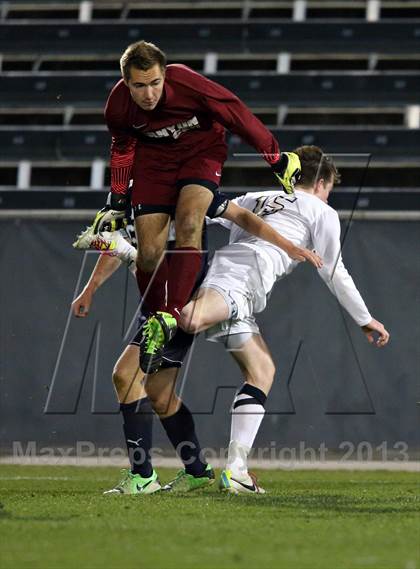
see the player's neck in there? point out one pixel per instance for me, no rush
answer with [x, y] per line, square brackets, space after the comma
[306, 190]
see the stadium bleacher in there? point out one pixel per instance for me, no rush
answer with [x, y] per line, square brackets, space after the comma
[343, 75]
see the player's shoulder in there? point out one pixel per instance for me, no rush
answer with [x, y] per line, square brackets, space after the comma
[255, 194]
[118, 100]
[119, 90]
[319, 207]
[178, 72]
[326, 211]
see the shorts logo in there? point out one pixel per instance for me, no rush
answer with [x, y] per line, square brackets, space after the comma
[139, 126]
[174, 131]
[218, 174]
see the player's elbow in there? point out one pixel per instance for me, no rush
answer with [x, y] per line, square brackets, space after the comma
[244, 219]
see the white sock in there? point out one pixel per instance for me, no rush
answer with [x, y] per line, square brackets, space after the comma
[247, 414]
[125, 251]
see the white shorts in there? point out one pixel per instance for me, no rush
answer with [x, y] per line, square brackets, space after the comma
[223, 331]
[243, 276]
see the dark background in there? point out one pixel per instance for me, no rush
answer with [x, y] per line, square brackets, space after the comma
[331, 385]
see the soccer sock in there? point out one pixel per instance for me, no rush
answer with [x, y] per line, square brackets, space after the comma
[154, 295]
[180, 429]
[247, 414]
[138, 426]
[125, 251]
[184, 266]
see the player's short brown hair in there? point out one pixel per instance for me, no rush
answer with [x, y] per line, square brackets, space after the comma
[316, 165]
[142, 55]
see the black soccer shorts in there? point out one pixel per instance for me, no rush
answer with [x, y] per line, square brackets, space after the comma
[175, 352]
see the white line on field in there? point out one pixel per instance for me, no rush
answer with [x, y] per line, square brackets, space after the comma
[34, 478]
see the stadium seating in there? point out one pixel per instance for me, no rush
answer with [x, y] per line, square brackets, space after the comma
[71, 143]
[344, 75]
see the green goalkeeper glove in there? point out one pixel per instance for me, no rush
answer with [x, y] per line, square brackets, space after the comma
[113, 216]
[287, 171]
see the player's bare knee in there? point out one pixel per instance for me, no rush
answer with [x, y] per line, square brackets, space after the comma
[148, 258]
[159, 402]
[262, 377]
[189, 229]
[190, 322]
[120, 379]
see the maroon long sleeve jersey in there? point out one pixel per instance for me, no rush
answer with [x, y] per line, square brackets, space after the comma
[192, 110]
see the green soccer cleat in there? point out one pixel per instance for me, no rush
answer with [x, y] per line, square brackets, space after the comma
[158, 330]
[134, 484]
[184, 482]
[288, 171]
[232, 485]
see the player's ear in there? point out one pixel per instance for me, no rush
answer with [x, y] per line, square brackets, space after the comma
[319, 185]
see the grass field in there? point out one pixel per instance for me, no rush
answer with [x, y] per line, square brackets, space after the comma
[57, 517]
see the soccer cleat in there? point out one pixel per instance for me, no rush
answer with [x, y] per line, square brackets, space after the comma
[184, 482]
[287, 170]
[232, 485]
[109, 243]
[157, 331]
[134, 484]
[106, 241]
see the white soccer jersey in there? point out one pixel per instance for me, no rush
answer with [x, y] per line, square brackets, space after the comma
[308, 222]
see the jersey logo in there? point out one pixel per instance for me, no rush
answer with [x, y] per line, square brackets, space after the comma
[140, 125]
[174, 131]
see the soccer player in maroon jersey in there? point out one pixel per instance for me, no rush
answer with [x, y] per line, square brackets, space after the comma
[168, 134]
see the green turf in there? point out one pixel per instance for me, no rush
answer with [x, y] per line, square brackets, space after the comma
[337, 520]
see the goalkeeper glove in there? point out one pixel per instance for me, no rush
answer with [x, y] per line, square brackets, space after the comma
[287, 170]
[113, 216]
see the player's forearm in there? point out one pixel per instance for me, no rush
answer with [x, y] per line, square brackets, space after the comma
[342, 286]
[123, 150]
[256, 226]
[105, 267]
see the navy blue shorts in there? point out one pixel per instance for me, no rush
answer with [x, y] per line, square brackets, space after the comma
[174, 353]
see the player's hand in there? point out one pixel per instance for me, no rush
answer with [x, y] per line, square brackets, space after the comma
[301, 254]
[81, 305]
[287, 171]
[373, 329]
[113, 216]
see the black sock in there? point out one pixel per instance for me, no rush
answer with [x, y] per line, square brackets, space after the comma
[138, 426]
[181, 432]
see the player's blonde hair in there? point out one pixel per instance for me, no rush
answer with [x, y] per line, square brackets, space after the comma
[142, 55]
[316, 166]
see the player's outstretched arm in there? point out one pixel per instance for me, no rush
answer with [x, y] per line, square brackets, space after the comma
[256, 226]
[373, 329]
[104, 268]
